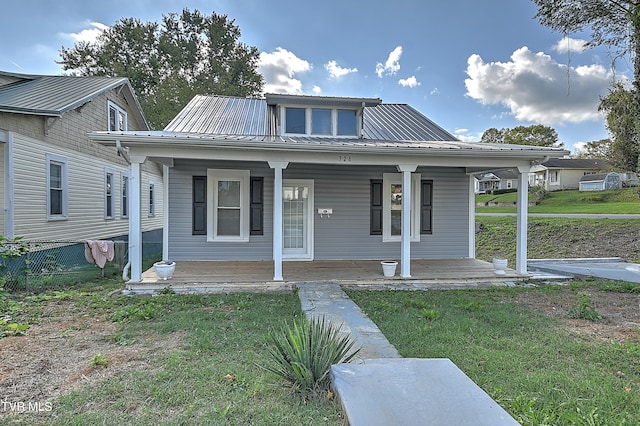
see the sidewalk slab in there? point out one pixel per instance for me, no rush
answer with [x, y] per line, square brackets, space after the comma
[411, 391]
[613, 268]
[330, 301]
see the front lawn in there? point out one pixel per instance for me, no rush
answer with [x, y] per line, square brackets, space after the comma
[520, 346]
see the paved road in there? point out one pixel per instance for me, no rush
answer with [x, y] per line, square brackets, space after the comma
[570, 215]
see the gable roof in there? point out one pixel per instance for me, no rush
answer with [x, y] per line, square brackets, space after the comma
[54, 95]
[596, 177]
[498, 174]
[576, 163]
[225, 115]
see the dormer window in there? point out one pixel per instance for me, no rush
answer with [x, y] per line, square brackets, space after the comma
[320, 121]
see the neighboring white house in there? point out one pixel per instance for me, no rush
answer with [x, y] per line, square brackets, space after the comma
[495, 180]
[600, 182]
[319, 178]
[55, 183]
[564, 173]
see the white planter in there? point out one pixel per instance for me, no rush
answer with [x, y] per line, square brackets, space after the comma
[389, 268]
[500, 265]
[164, 270]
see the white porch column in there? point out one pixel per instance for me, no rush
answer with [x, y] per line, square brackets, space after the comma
[135, 218]
[165, 212]
[521, 224]
[472, 217]
[277, 167]
[405, 253]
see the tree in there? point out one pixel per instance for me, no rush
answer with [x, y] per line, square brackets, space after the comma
[599, 150]
[537, 135]
[615, 24]
[624, 125]
[168, 63]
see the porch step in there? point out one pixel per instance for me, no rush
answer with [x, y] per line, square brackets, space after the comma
[410, 391]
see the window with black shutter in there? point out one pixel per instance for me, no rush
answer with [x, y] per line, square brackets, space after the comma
[199, 226]
[256, 206]
[376, 207]
[426, 204]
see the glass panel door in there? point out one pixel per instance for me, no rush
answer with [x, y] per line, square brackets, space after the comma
[297, 216]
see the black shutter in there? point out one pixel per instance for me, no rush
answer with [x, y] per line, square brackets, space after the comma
[376, 207]
[256, 206]
[426, 204]
[199, 224]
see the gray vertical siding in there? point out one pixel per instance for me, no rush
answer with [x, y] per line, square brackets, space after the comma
[345, 235]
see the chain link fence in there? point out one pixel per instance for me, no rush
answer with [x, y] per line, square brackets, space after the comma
[55, 264]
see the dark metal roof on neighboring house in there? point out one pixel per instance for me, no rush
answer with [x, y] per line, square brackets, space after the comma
[576, 163]
[223, 115]
[595, 177]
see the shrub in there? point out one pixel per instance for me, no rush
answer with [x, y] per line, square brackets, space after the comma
[584, 309]
[303, 354]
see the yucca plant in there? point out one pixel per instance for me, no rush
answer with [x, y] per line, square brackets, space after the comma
[303, 354]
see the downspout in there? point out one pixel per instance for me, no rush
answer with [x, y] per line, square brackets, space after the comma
[123, 153]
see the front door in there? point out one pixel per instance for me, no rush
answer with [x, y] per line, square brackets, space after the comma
[297, 219]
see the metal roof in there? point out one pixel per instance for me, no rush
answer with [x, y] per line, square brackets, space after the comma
[52, 95]
[223, 115]
[575, 163]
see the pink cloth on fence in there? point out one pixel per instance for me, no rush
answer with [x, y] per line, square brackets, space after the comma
[99, 252]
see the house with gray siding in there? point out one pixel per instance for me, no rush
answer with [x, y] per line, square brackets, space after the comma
[302, 178]
[55, 183]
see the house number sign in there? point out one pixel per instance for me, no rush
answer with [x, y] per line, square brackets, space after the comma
[344, 158]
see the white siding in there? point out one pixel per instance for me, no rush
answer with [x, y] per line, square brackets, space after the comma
[345, 189]
[2, 181]
[85, 199]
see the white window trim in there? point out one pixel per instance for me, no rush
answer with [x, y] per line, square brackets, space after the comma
[123, 177]
[52, 158]
[396, 178]
[113, 105]
[152, 198]
[213, 176]
[108, 203]
[309, 124]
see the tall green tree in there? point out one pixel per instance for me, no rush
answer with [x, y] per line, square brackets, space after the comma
[599, 150]
[624, 125]
[170, 62]
[616, 25]
[537, 135]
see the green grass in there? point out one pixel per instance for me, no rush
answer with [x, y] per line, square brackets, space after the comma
[622, 201]
[213, 377]
[536, 369]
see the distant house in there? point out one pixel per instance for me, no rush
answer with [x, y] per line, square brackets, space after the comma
[600, 182]
[288, 177]
[55, 183]
[496, 179]
[564, 173]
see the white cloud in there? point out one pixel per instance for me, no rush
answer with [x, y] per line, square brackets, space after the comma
[538, 89]
[434, 91]
[89, 35]
[409, 82]
[392, 65]
[465, 136]
[571, 45]
[578, 147]
[279, 69]
[336, 71]
[316, 90]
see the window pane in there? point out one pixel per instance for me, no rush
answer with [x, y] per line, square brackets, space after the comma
[396, 209]
[347, 124]
[295, 120]
[321, 121]
[228, 193]
[55, 206]
[55, 176]
[113, 116]
[229, 222]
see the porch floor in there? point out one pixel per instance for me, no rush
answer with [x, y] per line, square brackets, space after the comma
[237, 276]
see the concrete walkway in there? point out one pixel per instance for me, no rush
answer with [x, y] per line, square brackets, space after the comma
[381, 388]
[613, 268]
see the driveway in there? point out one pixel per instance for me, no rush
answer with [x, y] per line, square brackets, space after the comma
[613, 268]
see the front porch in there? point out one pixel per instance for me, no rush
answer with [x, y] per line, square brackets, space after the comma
[239, 276]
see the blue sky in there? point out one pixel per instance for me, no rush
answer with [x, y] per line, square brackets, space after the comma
[468, 65]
